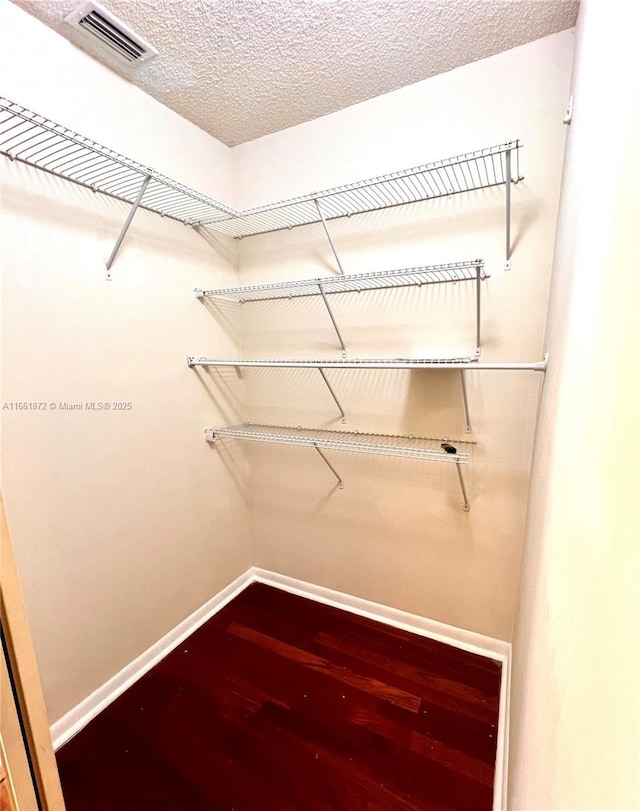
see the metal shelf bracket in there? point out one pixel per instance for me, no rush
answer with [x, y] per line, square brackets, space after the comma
[333, 320]
[507, 186]
[331, 467]
[126, 225]
[326, 230]
[467, 418]
[466, 506]
[333, 394]
[478, 300]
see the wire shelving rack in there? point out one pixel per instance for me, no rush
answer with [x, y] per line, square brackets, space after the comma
[451, 272]
[408, 447]
[33, 139]
[492, 166]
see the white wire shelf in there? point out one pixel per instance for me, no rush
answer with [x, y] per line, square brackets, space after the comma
[343, 363]
[321, 440]
[451, 272]
[482, 169]
[35, 140]
[375, 363]
[381, 444]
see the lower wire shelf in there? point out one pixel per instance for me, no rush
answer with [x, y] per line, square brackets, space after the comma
[410, 447]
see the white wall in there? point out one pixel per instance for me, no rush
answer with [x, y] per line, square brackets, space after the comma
[123, 522]
[575, 738]
[397, 534]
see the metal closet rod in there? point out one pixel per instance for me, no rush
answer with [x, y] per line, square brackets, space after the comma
[416, 363]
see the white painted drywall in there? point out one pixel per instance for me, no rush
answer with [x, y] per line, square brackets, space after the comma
[397, 534]
[575, 736]
[123, 522]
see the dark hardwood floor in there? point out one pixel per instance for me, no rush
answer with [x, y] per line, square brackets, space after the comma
[282, 703]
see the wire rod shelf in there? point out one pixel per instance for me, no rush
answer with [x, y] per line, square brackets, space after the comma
[35, 140]
[344, 363]
[376, 363]
[354, 282]
[482, 169]
[382, 444]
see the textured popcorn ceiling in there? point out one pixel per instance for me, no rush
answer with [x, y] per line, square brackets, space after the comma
[244, 68]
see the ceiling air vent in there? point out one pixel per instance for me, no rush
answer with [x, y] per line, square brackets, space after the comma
[110, 32]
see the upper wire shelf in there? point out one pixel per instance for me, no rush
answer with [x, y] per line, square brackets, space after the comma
[356, 363]
[37, 141]
[482, 169]
[354, 282]
[381, 444]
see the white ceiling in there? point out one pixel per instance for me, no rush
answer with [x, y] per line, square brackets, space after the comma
[244, 68]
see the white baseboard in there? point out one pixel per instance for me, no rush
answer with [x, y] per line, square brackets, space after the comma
[71, 723]
[449, 634]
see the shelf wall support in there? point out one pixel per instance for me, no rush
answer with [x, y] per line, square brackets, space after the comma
[326, 230]
[126, 225]
[507, 159]
[466, 505]
[465, 401]
[333, 394]
[333, 320]
[478, 300]
[331, 467]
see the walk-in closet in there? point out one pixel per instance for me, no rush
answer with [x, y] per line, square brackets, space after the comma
[319, 468]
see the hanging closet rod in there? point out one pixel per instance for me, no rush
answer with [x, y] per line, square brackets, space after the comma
[449, 273]
[481, 169]
[367, 363]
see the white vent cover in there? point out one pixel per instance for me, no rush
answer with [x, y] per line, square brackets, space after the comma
[103, 26]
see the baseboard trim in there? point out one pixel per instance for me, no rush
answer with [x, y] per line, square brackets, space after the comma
[77, 718]
[449, 634]
[72, 722]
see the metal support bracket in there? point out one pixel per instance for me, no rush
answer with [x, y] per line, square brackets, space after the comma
[126, 225]
[331, 467]
[326, 230]
[478, 299]
[333, 320]
[333, 394]
[465, 401]
[507, 159]
[466, 505]
[569, 113]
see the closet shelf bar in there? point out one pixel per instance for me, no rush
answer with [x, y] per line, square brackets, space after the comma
[481, 169]
[449, 273]
[366, 363]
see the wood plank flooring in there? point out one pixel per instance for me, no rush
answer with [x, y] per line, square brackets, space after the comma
[282, 703]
